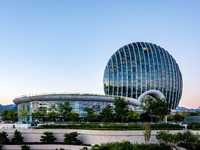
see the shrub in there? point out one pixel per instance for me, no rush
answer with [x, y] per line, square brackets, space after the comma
[3, 138]
[124, 145]
[1, 146]
[48, 138]
[147, 132]
[71, 138]
[25, 147]
[84, 148]
[166, 126]
[193, 125]
[17, 137]
[164, 137]
[186, 139]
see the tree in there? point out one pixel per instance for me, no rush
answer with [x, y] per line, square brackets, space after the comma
[17, 137]
[177, 117]
[91, 116]
[48, 138]
[74, 117]
[52, 115]
[132, 116]
[23, 113]
[4, 138]
[183, 115]
[147, 132]
[65, 110]
[71, 138]
[121, 108]
[170, 117]
[40, 114]
[12, 115]
[155, 107]
[107, 114]
[4, 114]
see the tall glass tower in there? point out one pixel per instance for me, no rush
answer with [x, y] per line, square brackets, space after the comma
[138, 67]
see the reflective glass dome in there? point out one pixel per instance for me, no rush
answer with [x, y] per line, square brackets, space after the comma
[138, 67]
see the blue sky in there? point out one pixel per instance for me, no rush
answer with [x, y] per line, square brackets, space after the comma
[63, 46]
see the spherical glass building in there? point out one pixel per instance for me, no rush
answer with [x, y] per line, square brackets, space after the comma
[140, 67]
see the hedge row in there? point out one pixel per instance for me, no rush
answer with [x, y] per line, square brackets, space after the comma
[194, 126]
[133, 126]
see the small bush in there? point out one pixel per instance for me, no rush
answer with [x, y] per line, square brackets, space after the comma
[48, 138]
[3, 138]
[71, 138]
[17, 138]
[25, 147]
[84, 148]
[194, 125]
[1, 146]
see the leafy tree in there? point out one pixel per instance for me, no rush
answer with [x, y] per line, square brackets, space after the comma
[4, 138]
[4, 114]
[74, 117]
[170, 117]
[52, 115]
[71, 138]
[121, 108]
[65, 110]
[132, 116]
[17, 137]
[23, 113]
[91, 116]
[183, 115]
[12, 115]
[48, 138]
[107, 114]
[177, 117]
[147, 132]
[40, 114]
[155, 107]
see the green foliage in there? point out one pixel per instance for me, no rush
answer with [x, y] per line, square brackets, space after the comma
[17, 137]
[132, 116]
[177, 117]
[121, 108]
[1, 146]
[186, 139]
[155, 107]
[166, 126]
[107, 114]
[193, 125]
[48, 138]
[71, 138]
[84, 148]
[170, 117]
[25, 147]
[65, 109]
[153, 147]
[91, 116]
[40, 113]
[74, 117]
[164, 137]
[147, 132]
[112, 126]
[124, 145]
[52, 115]
[9, 115]
[3, 138]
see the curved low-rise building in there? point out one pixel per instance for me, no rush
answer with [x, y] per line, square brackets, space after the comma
[78, 102]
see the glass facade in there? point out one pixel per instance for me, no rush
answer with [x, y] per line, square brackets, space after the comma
[78, 106]
[139, 67]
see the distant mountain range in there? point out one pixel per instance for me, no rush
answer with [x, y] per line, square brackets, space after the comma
[8, 107]
[183, 108]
